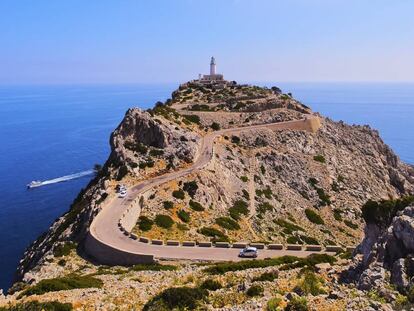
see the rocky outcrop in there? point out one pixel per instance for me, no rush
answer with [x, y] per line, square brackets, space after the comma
[386, 251]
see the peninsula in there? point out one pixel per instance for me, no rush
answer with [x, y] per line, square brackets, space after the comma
[216, 168]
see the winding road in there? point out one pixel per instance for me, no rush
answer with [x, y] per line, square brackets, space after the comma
[107, 244]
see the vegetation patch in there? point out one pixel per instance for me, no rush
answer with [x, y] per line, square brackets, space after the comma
[196, 206]
[314, 217]
[240, 207]
[297, 304]
[211, 284]
[287, 226]
[382, 212]
[216, 234]
[153, 267]
[191, 188]
[319, 158]
[265, 207]
[350, 224]
[310, 262]
[144, 223]
[337, 213]
[63, 249]
[192, 118]
[311, 284]
[63, 283]
[168, 204]
[164, 221]
[215, 126]
[178, 194]
[266, 276]
[227, 223]
[183, 215]
[177, 298]
[137, 147]
[223, 267]
[255, 290]
[39, 306]
[235, 139]
[244, 178]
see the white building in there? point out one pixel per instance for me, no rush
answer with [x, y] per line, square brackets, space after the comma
[213, 76]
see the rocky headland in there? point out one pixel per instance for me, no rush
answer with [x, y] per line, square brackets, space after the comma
[338, 184]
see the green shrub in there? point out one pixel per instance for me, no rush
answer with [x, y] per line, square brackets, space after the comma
[191, 188]
[309, 240]
[350, 224]
[274, 304]
[293, 240]
[297, 304]
[227, 223]
[192, 118]
[319, 158]
[183, 215]
[323, 197]
[246, 194]
[309, 261]
[215, 126]
[122, 172]
[156, 152]
[137, 147]
[266, 276]
[211, 284]
[217, 235]
[337, 213]
[153, 267]
[196, 206]
[314, 217]
[168, 204]
[382, 212]
[164, 221]
[63, 249]
[262, 169]
[239, 208]
[264, 207]
[244, 178]
[255, 290]
[178, 194]
[181, 298]
[288, 227]
[144, 223]
[63, 283]
[39, 306]
[61, 262]
[223, 267]
[235, 139]
[311, 284]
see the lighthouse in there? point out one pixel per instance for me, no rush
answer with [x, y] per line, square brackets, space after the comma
[212, 66]
[213, 77]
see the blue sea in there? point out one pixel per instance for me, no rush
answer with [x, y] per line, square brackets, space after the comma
[47, 132]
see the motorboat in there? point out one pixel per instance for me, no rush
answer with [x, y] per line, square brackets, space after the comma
[34, 184]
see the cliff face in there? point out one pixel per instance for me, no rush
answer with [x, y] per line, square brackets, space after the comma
[297, 187]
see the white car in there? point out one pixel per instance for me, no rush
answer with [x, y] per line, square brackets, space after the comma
[122, 194]
[248, 252]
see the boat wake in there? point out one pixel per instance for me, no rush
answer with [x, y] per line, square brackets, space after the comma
[38, 183]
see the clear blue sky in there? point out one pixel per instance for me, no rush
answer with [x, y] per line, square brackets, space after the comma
[103, 41]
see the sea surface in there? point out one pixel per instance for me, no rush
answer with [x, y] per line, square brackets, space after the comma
[49, 132]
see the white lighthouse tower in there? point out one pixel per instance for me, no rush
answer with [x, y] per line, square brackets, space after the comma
[213, 77]
[212, 66]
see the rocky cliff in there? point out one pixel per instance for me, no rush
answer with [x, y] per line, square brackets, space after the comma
[285, 186]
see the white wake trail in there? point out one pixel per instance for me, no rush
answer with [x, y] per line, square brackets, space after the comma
[35, 184]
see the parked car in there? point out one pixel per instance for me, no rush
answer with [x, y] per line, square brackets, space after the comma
[248, 252]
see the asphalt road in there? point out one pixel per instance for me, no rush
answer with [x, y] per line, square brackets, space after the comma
[105, 228]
